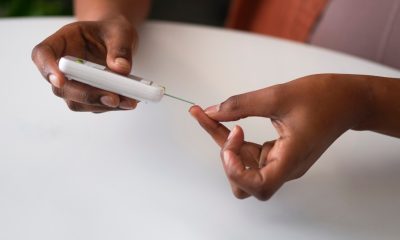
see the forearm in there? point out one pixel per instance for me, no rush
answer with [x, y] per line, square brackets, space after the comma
[92, 10]
[384, 106]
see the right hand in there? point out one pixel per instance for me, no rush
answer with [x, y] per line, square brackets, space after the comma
[309, 114]
[109, 42]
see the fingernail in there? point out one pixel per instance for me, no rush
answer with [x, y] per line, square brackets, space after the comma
[212, 109]
[232, 133]
[127, 105]
[122, 62]
[108, 101]
[54, 80]
[190, 112]
[190, 109]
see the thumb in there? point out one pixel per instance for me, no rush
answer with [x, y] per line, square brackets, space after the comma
[261, 103]
[230, 152]
[119, 52]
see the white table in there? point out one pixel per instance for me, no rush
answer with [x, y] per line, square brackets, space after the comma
[153, 173]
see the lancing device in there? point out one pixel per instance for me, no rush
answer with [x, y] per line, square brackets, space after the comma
[98, 76]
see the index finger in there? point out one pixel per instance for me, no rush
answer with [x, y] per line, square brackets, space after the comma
[45, 56]
[216, 130]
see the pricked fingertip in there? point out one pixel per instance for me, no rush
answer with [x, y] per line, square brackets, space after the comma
[196, 107]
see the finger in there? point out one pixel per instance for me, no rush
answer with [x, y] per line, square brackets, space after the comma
[266, 148]
[120, 44]
[250, 155]
[79, 107]
[45, 56]
[81, 93]
[239, 193]
[262, 185]
[262, 103]
[292, 157]
[280, 160]
[251, 181]
[127, 103]
[234, 143]
[216, 130]
[219, 134]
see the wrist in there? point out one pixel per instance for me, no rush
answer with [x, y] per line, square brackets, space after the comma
[375, 89]
[384, 104]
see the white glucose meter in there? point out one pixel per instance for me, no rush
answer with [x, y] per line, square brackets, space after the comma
[100, 77]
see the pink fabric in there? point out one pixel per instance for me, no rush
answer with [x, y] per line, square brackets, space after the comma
[365, 28]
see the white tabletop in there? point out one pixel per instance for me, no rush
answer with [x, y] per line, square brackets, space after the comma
[153, 173]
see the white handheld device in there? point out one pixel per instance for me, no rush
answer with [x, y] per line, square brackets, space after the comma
[98, 76]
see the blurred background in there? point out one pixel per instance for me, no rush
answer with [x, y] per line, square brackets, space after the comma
[18, 8]
[210, 12]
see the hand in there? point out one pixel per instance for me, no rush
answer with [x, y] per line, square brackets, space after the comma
[309, 114]
[108, 42]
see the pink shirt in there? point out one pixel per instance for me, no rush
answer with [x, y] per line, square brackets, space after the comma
[366, 28]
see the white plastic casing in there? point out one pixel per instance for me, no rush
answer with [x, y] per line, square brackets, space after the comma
[98, 76]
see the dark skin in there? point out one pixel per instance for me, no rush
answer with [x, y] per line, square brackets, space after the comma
[105, 34]
[309, 114]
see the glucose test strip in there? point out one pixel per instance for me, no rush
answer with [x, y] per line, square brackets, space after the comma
[99, 76]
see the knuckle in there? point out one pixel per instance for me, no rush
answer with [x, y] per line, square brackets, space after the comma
[35, 52]
[232, 175]
[126, 28]
[38, 56]
[275, 93]
[69, 26]
[232, 103]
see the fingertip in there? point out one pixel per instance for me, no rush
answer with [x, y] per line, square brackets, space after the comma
[212, 110]
[234, 141]
[196, 111]
[109, 101]
[128, 104]
[56, 81]
[122, 63]
[236, 131]
[119, 65]
[232, 133]
[195, 108]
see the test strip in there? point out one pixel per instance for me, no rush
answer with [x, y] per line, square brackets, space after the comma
[180, 99]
